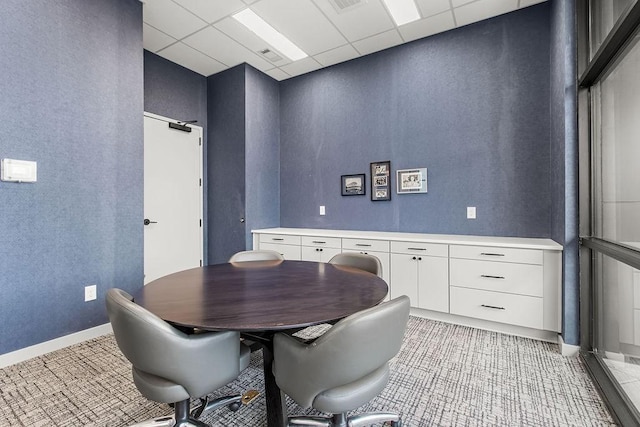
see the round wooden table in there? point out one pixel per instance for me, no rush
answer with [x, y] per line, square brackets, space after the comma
[262, 298]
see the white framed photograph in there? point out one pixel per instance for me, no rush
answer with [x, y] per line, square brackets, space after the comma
[411, 181]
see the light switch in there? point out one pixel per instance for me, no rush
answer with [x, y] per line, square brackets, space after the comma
[471, 212]
[18, 170]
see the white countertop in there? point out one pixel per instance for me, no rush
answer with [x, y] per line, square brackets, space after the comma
[451, 239]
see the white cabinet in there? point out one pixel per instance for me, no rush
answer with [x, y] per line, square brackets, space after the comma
[320, 249]
[498, 283]
[421, 271]
[287, 245]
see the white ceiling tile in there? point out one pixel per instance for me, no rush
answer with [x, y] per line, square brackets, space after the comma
[483, 9]
[360, 22]
[248, 39]
[190, 58]
[527, 3]
[340, 54]
[170, 18]
[154, 40]
[427, 27]
[378, 42]
[432, 7]
[212, 10]
[302, 66]
[220, 47]
[277, 74]
[178, 30]
[302, 23]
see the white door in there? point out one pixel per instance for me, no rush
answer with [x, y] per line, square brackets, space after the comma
[172, 198]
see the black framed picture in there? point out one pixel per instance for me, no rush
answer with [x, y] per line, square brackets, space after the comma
[381, 181]
[353, 185]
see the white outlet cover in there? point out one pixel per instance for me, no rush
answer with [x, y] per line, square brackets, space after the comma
[90, 293]
[322, 210]
[471, 212]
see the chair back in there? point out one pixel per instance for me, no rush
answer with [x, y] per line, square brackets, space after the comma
[353, 348]
[257, 255]
[155, 347]
[364, 262]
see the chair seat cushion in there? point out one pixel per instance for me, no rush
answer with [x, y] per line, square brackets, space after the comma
[157, 388]
[353, 395]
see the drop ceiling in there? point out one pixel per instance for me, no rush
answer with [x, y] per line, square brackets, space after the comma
[202, 36]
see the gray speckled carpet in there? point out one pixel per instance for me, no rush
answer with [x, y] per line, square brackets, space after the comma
[444, 375]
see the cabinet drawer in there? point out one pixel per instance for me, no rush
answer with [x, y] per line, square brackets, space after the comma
[524, 256]
[290, 252]
[283, 239]
[322, 242]
[523, 279]
[365, 245]
[411, 248]
[497, 307]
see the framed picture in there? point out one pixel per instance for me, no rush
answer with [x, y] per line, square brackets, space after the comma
[353, 185]
[411, 181]
[381, 181]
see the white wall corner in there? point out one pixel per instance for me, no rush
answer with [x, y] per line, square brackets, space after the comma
[27, 353]
[567, 350]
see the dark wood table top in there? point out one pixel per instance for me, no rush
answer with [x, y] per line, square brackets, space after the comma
[261, 295]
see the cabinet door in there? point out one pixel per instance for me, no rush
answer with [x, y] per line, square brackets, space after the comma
[404, 277]
[311, 253]
[290, 252]
[433, 283]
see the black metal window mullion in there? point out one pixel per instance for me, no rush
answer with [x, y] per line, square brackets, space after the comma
[611, 47]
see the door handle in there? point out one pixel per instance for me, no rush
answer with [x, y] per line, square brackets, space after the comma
[147, 221]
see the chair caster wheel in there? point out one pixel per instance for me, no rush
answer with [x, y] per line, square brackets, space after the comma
[233, 407]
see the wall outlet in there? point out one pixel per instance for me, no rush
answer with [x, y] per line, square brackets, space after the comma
[90, 292]
[471, 212]
[322, 210]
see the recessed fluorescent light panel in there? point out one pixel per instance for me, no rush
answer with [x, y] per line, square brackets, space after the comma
[269, 34]
[402, 11]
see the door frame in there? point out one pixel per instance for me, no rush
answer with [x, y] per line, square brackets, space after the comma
[200, 131]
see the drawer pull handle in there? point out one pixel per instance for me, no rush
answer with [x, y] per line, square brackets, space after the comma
[277, 238]
[491, 254]
[488, 276]
[363, 245]
[318, 241]
[492, 306]
[416, 249]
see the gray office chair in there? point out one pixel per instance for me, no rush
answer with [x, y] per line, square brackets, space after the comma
[257, 255]
[364, 262]
[344, 368]
[170, 366]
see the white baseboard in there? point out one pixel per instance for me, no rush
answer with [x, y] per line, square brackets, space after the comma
[540, 335]
[27, 353]
[567, 350]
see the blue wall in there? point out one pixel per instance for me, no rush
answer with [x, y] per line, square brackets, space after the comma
[243, 161]
[262, 155]
[225, 163]
[471, 105]
[72, 100]
[564, 160]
